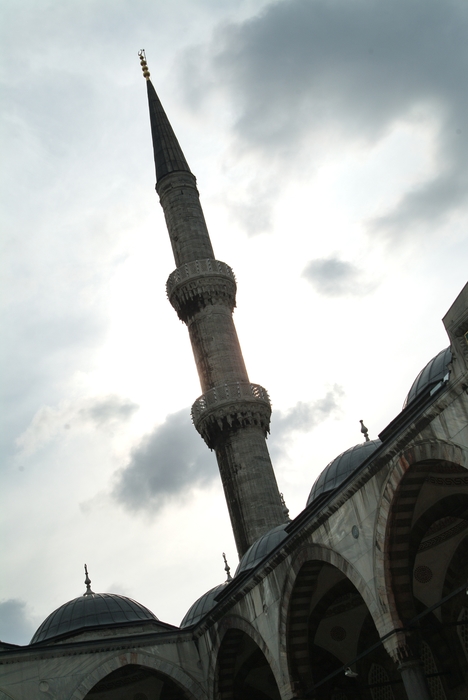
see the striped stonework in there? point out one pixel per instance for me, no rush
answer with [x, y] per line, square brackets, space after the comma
[227, 657]
[394, 566]
[230, 635]
[190, 688]
[298, 627]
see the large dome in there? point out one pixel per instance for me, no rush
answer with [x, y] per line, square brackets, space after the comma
[341, 467]
[202, 606]
[89, 612]
[435, 371]
[261, 547]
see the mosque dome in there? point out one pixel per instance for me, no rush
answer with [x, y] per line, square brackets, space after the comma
[341, 467]
[261, 547]
[91, 611]
[434, 372]
[202, 606]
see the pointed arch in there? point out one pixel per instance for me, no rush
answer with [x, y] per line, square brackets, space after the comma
[231, 635]
[379, 683]
[295, 620]
[407, 473]
[313, 555]
[454, 612]
[191, 689]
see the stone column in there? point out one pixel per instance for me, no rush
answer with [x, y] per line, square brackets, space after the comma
[414, 679]
[412, 670]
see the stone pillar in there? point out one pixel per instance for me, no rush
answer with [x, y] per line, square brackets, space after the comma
[410, 666]
[414, 679]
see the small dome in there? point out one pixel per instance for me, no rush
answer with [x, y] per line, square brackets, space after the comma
[341, 467]
[202, 606]
[91, 611]
[433, 372]
[261, 547]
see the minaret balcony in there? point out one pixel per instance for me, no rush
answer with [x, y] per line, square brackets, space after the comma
[199, 283]
[229, 407]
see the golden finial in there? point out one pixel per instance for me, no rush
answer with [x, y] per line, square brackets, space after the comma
[144, 65]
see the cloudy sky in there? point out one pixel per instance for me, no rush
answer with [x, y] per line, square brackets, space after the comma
[330, 143]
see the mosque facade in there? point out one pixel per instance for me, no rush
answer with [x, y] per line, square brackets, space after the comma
[362, 595]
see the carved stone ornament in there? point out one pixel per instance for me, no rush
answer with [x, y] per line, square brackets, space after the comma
[231, 406]
[200, 283]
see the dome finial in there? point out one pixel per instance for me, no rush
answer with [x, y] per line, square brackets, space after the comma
[144, 65]
[364, 431]
[227, 569]
[88, 583]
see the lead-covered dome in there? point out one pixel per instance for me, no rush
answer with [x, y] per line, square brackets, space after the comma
[91, 611]
[434, 372]
[261, 547]
[202, 606]
[341, 467]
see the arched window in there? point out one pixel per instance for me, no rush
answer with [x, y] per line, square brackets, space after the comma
[378, 678]
[430, 667]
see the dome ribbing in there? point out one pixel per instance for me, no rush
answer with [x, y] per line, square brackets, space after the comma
[263, 546]
[341, 467]
[202, 606]
[434, 372]
[89, 612]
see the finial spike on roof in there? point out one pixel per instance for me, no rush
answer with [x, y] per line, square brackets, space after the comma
[227, 569]
[88, 583]
[285, 509]
[364, 431]
[144, 65]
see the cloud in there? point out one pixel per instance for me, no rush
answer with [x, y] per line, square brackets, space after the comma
[334, 277]
[172, 461]
[307, 78]
[109, 409]
[167, 464]
[96, 412]
[16, 626]
[303, 417]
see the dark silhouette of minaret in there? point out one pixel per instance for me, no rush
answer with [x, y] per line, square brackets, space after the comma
[232, 415]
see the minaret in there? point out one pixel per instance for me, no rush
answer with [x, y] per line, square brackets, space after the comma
[232, 415]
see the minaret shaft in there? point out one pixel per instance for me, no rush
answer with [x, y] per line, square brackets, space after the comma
[184, 217]
[232, 415]
[216, 348]
[244, 464]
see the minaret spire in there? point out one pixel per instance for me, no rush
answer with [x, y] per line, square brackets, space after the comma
[168, 156]
[232, 415]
